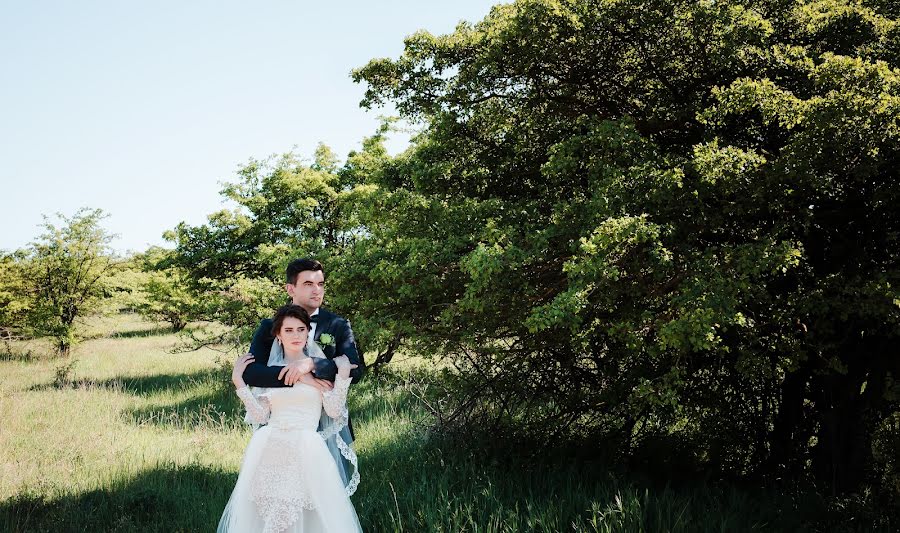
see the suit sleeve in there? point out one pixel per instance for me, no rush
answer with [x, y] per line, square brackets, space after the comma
[258, 373]
[345, 344]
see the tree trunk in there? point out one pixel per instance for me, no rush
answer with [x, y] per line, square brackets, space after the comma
[853, 405]
[385, 357]
[788, 439]
[844, 446]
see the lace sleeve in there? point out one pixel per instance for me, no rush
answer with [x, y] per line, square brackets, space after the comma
[257, 409]
[335, 400]
[335, 404]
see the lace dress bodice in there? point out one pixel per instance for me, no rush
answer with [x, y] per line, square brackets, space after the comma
[297, 407]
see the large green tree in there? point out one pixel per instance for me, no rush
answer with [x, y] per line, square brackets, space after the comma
[65, 273]
[285, 207]
[651, 218]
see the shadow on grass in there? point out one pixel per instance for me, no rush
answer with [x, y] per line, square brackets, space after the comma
[146, 332]
[159, 383]
[145, 385]
[209, 400]
[213, 404]
[415, 482]
[16, 355]
[217, 409]
[418, 481]
[174, 498]
[24, 350]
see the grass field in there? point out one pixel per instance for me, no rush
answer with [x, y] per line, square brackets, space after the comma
[147, 440]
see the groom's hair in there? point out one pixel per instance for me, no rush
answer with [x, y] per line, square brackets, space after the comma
[292, 310]
[301, 265]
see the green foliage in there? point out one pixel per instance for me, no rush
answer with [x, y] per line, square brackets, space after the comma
[285, 208]
[164, 292]
[14, 301]
[61, 277]
[125, 287]
[240, 307]
[169, 299]
[641, 218]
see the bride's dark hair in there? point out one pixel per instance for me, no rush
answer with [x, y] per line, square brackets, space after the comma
[289, 310]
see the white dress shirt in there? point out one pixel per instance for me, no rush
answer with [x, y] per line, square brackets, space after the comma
[312, 327]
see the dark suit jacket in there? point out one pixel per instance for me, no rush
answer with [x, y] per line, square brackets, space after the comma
[259, 374]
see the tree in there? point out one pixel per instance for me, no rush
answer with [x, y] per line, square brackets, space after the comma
[642, 219]
[65, 275]
[285, 208]
[164, 291]
[14, 303]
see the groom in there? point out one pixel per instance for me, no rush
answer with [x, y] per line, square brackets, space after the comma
[306, 287]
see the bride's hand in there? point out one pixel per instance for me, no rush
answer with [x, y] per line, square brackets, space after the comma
[237, 374]
[344, 366]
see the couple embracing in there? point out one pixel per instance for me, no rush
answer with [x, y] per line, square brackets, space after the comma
[299, 470]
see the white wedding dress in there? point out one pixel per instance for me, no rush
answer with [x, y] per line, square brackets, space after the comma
[289, 481]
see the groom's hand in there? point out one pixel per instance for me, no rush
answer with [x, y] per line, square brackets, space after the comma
[320, 384]
[295, 370]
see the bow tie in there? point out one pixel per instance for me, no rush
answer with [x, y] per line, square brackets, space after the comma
[313, 319]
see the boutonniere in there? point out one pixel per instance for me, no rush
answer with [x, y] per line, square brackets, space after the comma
[326, 340]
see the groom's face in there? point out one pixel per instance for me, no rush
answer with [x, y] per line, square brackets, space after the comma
[309, 290]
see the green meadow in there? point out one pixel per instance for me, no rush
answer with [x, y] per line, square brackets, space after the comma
[138, 438]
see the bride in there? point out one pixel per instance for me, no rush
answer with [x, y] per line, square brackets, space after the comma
[289, 479]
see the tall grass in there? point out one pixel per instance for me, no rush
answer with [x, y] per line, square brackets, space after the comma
[140, 439]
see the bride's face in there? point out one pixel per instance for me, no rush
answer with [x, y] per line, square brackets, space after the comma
[293, 335]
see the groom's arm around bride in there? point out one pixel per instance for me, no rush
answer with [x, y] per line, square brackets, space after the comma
[306, 287]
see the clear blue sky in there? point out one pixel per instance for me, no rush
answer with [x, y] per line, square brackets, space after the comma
[143, 108]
